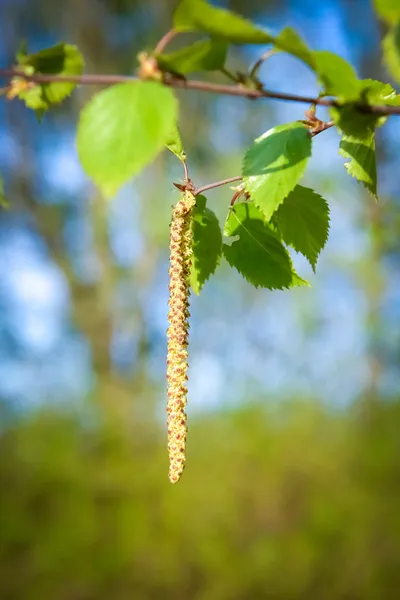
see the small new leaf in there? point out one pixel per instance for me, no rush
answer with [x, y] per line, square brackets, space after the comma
[122, 129]
[337, 76]
[207, 244]
[303, 222]
[289, 41]
[391, 51]
[274, 164]
[198, 15]
[258, 254]
[205, 55]
[174, 143]
[62, 59]
[361, 160]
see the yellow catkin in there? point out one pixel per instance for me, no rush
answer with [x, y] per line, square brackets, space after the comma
[178, 332]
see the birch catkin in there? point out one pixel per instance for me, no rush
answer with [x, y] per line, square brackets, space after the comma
[178, 332]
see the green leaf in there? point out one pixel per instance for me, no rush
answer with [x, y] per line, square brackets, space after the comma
[258, 254]
[361, 160]
[174, 143]
[377, 92]
[198, 15]
[122, 129]
[336, 75]
[275, 163]
[388, 10]
[289, 41]
[354, 123]
[391, 51]
[205, 55]
[63, 59]
[393, 101]
[207, 244]
[303, 221]
[298, 281]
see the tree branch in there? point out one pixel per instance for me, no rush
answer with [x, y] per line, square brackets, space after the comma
[211, 186]
[202, 86]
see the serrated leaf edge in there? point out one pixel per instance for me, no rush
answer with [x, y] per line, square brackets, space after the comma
[192, 277]
[347, 165]
[258, 243]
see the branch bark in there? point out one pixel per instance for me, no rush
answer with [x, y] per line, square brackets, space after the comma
[202, 86]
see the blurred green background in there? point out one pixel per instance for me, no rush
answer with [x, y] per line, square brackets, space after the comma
[292, 485]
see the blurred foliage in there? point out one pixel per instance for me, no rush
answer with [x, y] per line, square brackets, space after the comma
[291, 503]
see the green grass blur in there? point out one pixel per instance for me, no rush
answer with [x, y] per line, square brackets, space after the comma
[297, 503]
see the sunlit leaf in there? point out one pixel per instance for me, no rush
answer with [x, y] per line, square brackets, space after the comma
[122, 129]
[361, 160]
[303, 221]
[275, 163]
[198, 15]
[289, 41]
[355, 123]
[337, 76]
[174, 143]
[377, 92]
[205, 55]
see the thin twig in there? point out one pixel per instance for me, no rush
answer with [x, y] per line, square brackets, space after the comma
[259, 62]
[202, 86]
[230, 90]
[78, 79]
[185, 168]
[237, 195]
[166, 39]
[211, 186]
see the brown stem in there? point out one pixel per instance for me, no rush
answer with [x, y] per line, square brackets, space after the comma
[166, 39]
[259, 62]
[78, 79]
[203, 86]
[211, 186]
[237, 195]
[185, 168]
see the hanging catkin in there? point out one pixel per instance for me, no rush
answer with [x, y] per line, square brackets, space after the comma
[178, 332]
